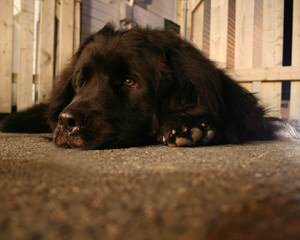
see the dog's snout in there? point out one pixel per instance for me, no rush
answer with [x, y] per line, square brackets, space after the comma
[69, 120]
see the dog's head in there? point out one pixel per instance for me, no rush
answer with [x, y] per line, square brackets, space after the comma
[120, 85]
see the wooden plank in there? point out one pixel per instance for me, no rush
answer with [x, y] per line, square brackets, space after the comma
[244, 31]
[257, 33]
[197, 25]
[218, 32]
[231, 34]
[6, 33]
[25, 76]
[66, 30]
[244, 27]
[295, 86]
[77, 25]
[271, 74]
[46, 49]
[272, 52]
[57, 36]
[206, 27]
[180, 15]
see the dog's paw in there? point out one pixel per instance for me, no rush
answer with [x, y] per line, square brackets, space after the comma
[188, 136]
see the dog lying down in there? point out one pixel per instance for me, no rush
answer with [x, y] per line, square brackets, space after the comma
[136, 87]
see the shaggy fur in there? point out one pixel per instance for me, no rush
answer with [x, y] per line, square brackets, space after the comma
[142, 86]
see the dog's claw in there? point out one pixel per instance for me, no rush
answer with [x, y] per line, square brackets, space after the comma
[196, 134]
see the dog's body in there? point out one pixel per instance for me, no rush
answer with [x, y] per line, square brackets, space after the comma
[142, 86]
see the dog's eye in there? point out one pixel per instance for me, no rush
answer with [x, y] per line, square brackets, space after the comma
[79, 79]
[78, 82]
[129, 82]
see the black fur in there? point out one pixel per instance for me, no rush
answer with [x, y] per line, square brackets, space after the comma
[33, 120]
[175, 95]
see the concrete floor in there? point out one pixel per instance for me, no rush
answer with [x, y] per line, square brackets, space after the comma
[249, 191]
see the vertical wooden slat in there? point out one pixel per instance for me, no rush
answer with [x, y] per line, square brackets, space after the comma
[231, 34]
[244, 27]
[272, 52]
[66, 31]
[77, 24]
[257, 43]
[218, 32]
[257, 33]
[197, 25]
[206, 27]
[180, 15]
[24, 84]
[6, 33]
[295, 86]
[46, 49]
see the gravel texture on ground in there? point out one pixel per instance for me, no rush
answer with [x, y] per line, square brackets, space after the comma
[249, 191]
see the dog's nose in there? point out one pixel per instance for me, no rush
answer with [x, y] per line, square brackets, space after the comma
[69, 121]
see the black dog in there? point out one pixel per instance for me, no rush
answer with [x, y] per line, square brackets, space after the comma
[142, 86]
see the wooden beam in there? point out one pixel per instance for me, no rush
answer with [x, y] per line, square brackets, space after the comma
[77, 25]
[6, 33]
[180, 15]
[46, 49]
[244, 32]
[218, 32]
[197, 24]
[271, 74]
[272, 52]
[25, 76]
[295, 86]
[66, 33]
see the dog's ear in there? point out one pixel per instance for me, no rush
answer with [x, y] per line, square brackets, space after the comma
[190, 83]
[107, 30]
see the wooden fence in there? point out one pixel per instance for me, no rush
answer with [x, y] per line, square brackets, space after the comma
[37, 38]
[253, 36]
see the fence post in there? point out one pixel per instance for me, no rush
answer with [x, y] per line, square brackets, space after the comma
[66, 33]
[46, 49]
[197, 24]
[25, 75]
[244, 42]
[77, 25]
[218, 32]
[6, 33]
[272, 52]
[295, 86]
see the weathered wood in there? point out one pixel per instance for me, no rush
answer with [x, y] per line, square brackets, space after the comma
[272, 51]
[180, 15]
[244, 27]
[46, 49]
[6, 33]
[295, 86]
[271, 74]
[206, 27]
[197, 24]
[66, 31]
[77, 24]
[25, 78]
[218, 31]
[231, 34]
[257, 33]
